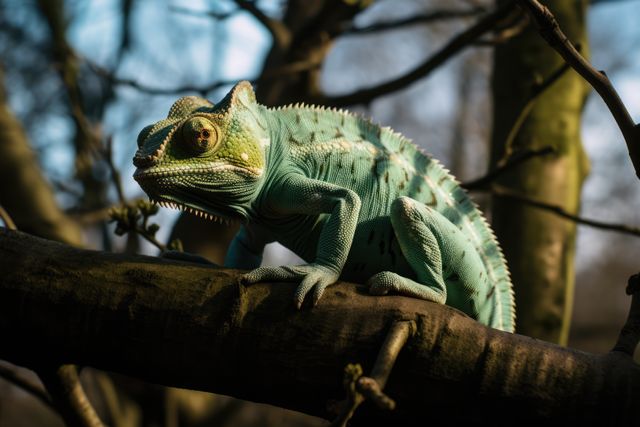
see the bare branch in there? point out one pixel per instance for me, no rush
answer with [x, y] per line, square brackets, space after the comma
[203, 90]
[221, 16]
[421, 18]
[538, 89]
[551, 32]
[455, 45]
[515, 160]
[507, 193]
[6, 218]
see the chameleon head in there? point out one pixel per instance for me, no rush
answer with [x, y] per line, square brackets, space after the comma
[204, 158]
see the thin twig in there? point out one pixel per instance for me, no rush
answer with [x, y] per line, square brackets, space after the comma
[204, 89]
[537, 90]
[36, 390]
[422, 18]
[6, 218]
[551, 32]
[509, 194]
[515, 160]
[63, 384]
[455, 45]
[221, 16]
[107, 153]
[360, 387]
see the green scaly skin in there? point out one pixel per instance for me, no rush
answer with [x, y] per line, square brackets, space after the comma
[354, 200]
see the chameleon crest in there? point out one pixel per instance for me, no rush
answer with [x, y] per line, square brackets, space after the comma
[354, 200]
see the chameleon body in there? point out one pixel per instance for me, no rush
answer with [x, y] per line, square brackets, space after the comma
[354, 200]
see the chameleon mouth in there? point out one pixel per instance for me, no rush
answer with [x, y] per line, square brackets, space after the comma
[172, 204]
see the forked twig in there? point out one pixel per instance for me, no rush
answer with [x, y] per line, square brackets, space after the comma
[359, 387]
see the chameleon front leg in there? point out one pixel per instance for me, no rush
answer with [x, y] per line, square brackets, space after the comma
[299, 195]
[245, 250]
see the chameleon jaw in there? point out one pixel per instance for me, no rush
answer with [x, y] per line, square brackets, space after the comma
[192, 210]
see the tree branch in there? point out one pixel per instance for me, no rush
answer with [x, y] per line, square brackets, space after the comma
[191, 326]
[551, 32]
[514, 160]
[421, 18]
[454, 46]
[507, 193]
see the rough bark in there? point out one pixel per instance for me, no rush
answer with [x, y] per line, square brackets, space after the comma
[540, 246]
[191, 326]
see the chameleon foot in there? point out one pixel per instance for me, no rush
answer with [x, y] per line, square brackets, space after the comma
[311, 276]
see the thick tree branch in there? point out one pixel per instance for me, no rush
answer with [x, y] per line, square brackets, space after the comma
[191, 326]
[551, 32]
[454, 46]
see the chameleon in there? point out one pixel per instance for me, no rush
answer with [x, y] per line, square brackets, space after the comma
[356, 201]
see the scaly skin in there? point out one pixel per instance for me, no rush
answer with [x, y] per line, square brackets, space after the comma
[354, 200]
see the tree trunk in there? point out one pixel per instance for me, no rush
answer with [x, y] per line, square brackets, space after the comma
[539, 246]
[191, 326]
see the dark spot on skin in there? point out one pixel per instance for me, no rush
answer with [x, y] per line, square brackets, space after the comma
[432, 202]
[491, 291]
[338, 134]
[378, 132]
[372, 234]
[463, 254]
[353, 168]
[293, 140]
[381, 247]
[419, 190]
[312, 137]
[401, 186]
[363, 136]
[386, 177]
[454, 277]
[341, 120]
[340, 163]
[321, 169]
[406, 175]
[481, 274]
[315, 116]
[297, 118]
[471, 305]
[441, 180]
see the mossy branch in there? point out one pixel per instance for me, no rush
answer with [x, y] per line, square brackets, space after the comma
[191, 326]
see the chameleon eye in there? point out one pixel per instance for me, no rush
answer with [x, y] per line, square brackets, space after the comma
[199, 134]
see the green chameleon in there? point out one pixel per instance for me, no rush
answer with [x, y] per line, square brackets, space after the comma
[355, 200]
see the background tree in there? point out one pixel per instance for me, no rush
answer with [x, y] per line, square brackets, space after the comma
[77, 80]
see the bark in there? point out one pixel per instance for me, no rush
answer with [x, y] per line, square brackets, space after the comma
[191, 326]
[540, 246]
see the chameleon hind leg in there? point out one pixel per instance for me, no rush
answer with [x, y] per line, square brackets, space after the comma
[419, 230]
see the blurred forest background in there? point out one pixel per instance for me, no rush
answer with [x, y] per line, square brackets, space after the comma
[81, 78]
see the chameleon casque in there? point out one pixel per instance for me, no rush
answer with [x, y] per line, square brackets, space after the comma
[355, 200]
